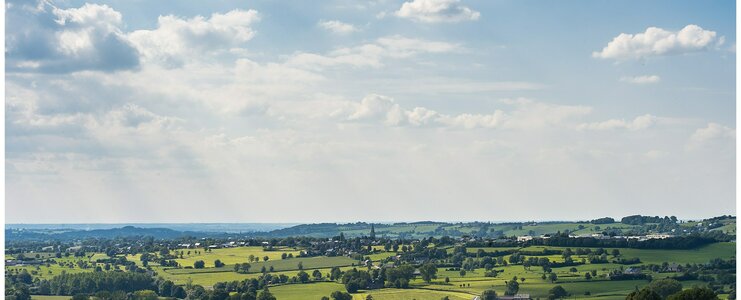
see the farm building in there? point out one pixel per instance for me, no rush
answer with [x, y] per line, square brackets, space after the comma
[524, 238]
[515, 297]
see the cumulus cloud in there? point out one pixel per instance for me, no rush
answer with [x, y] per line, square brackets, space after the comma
[526, 114]
[657, 41]
[434, 11]
[643, 79]
[713, 133]
[372, 54]
[337, 27]
[378, 107]
[639, 123]
[46, 38]
[175, 40]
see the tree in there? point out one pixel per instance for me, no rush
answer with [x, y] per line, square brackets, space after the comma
[339, 295]
[218, 263]
[695, 293]
[265, 258]
[489, 295]
[199, 264]
[145, 295]
[462, 272]
[300, 265]
[352, 286]
[428, 272]
[512, 287]
[317, 275]
[557, 292]
[553, 277]
[19, 291]
[643, 294]
[265, 294]
[587, 276]
[447, 279]
[615, 252]
[335, 273]
[665, 287]
[165, 288]
[178, 292]
[303, 277]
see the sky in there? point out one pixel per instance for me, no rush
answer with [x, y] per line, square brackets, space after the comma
[345, 111]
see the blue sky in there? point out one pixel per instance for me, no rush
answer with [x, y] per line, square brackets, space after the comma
[296, 111]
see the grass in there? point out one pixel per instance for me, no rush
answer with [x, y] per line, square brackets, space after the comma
[231, 256]
[656, 256]
[278, 265]
[306, 291]
[459, 287]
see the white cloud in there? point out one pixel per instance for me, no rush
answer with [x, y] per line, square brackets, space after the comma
[643, 79]
[433, 11]
[378, 107]
[176, 40]
[639, 123]
[712, 133]
[337, 27]
[525, 115]
[53, 40]
[656, 42]
[372, 54]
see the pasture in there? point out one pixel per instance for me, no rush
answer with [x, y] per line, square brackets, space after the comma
[458, 287]
[230, 256]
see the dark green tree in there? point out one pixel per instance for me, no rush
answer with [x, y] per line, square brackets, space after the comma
[695, 293]
[428, 272]
[665, 287]
[512, 287]
[489, 295]
[557, 292]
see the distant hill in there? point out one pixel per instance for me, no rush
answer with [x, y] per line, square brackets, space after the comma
[126, 231]
[632, 225]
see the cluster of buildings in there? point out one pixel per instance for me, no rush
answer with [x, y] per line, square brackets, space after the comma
[525, 238]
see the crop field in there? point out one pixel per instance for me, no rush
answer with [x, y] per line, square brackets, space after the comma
[278, 265]
[230, 256]
[40, 297]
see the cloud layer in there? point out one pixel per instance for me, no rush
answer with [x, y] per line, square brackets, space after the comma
[220, 110]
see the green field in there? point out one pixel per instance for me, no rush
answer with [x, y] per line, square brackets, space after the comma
[459, 287]
[231, 256]
[289, 267]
